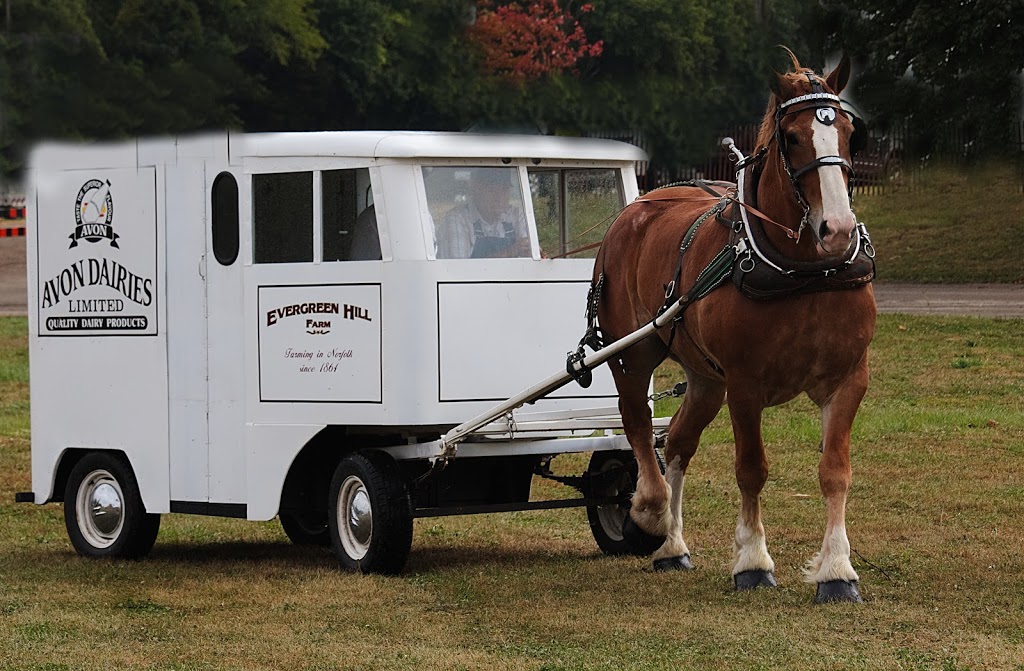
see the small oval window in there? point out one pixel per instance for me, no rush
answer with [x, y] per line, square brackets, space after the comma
[224, 221]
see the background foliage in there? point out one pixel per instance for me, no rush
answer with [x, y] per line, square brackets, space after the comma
[677, 71]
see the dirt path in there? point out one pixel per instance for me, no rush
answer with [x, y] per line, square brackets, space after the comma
[979, 300]
[982, 300]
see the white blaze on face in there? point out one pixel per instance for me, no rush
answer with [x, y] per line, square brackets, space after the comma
[835, 202]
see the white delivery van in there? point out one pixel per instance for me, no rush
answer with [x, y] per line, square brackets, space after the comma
[261, 325]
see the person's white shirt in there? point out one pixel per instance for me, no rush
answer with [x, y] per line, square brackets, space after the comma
[463, 224]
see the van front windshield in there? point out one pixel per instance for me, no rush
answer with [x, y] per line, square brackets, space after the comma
[477, 212]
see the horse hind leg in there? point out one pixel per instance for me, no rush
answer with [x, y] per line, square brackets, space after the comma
[830, 568]
[753, 567]
[649, 517]
[700, 405]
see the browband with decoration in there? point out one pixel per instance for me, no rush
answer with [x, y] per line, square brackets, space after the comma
[811, 96]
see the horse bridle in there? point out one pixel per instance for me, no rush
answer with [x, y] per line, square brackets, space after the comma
[827, 107]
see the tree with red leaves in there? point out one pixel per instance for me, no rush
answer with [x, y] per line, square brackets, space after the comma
[520, 43]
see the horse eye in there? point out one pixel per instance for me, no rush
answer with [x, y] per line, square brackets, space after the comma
[792, 138]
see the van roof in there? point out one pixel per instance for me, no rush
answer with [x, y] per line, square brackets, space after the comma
[362, 144]
[427, 144]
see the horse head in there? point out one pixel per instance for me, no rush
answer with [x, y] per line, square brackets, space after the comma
[806, 136]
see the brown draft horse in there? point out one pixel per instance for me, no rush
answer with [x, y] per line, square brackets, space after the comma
[749, 353]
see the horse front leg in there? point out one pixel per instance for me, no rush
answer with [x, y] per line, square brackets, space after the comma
[754, 567]
[701, 403]
[831, 568]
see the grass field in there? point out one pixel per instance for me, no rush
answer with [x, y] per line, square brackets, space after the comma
[934, 518]
[955, 226]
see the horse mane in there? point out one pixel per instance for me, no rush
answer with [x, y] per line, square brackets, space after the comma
[766, 133]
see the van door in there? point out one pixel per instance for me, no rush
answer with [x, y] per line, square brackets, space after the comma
[225, 341]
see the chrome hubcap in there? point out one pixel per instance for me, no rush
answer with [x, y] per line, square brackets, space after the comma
[100, 509]
[355, 517]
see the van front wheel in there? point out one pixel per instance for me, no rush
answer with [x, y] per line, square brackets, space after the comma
[103, 510]
[370, 514]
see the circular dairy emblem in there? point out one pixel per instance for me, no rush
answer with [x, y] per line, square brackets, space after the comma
[94, 212]
[825, 115]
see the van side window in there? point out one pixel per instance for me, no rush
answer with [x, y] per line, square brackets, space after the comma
[574, 207]
[224, 218]
[282, 213]
[349, 217]
[477, 212]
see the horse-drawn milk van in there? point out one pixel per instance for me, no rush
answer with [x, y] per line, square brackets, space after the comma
[300, 324]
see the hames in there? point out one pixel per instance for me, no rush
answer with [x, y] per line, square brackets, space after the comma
[97, 272]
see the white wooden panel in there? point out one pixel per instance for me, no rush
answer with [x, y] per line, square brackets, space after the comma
[499, 338]
[320, 343]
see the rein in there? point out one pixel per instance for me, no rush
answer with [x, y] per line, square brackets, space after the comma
[790, 233]
[731, 197]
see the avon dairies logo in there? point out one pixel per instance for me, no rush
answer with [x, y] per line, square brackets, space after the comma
[94, 214]
[113, 297]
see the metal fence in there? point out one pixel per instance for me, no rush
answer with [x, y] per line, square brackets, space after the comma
[892, 159]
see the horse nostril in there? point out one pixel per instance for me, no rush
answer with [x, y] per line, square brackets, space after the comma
[823, 230]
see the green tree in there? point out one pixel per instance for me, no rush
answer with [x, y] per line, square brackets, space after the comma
[401, 64]
[683, 72]
[52, 77]
[109, 68]
[935, 65]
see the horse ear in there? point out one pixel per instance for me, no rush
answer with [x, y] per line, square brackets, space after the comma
[776, 85]
[838, 78]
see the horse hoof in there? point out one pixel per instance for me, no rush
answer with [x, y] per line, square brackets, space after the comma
[747, 580]
[682, 563]
[838, 591]
[640, 542]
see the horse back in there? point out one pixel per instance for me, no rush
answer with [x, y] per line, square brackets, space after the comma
[640, 253]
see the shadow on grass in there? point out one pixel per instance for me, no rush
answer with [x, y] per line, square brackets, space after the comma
[225, 555]
[240, 551]
[240, 555]
[442, 559]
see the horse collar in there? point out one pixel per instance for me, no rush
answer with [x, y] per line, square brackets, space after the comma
[763, 273]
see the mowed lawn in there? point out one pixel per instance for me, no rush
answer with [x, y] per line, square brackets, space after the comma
[934, 518]
[951, 225]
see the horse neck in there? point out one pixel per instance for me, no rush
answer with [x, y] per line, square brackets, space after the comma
[777, 199]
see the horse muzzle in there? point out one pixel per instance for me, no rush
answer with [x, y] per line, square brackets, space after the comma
[835, 233]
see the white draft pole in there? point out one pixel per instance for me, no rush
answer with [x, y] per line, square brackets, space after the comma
[451, 439]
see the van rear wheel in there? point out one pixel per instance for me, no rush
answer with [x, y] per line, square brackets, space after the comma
[613, 473]
[370, 514]
[103, 509]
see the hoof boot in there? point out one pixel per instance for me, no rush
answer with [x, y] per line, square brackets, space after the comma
[681, 563]
[746, 580]
[838, 591]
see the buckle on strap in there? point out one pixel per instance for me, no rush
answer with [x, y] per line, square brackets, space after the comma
[583, 375]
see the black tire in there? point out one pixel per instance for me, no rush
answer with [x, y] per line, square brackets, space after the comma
[613, 473]
[306, 527]
[103, 510]
[370, 514]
